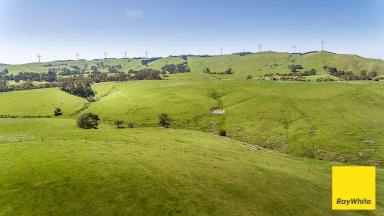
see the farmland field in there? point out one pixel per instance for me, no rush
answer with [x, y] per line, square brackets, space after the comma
[111, 171]
[282, 137]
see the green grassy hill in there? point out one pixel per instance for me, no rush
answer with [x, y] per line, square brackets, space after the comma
[335, 121]
[39, 102]
[50, 167]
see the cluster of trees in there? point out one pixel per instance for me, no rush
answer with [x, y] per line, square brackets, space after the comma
[293, 74]
[293, 78]
[78, 86]
[105, 77]
[243, 53]
[4, 86]
[227, 71]
[324, 79]
[295, 68]
[349, 75]
[176, 68]
[122, 124]
[29, 76]
[146, 74]
[71, 70]
[115, 69]
[91, 120]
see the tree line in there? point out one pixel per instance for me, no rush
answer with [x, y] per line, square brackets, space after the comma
[349, 75]
[225, 72]
[78, 85]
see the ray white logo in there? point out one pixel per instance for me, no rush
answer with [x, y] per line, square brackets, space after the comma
[353, 201]
[353, 187]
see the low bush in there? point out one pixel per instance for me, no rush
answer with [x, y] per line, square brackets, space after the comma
[88, 121]
[164, 120]
[222, 132]
[58, 112]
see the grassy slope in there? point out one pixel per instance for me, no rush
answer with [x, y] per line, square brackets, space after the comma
[296, 118]
[256, 64]
[171, 172]
[38, 102]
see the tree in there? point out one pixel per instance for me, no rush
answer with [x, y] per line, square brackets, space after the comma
[164, 120]
[176, 68]
[249, 77]
[119, 123]
[148, 74]
[294, 68]
[222, 132]
[228, 71]
[3, 85]
[88, 121]
[363, 75]
[58, 112]
[372, 75]
[4, 72]
[95, 69]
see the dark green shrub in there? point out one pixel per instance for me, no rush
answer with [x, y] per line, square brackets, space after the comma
[119, 123]
[164, 120]
[58, 112]
[222, 132]
[130, 125]
[88, 121]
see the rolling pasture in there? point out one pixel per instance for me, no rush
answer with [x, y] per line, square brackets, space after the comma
[50, 167]
[334, 121]
[282, 139]
[38, 102]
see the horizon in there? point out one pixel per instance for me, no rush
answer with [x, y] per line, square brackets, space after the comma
[217, 54]
[59, 30]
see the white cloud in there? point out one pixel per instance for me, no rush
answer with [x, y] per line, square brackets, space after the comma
[133, 13]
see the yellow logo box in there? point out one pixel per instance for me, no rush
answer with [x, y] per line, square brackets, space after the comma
[353, 188]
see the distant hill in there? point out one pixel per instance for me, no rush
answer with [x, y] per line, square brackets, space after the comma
[2, 64]
[243, 64]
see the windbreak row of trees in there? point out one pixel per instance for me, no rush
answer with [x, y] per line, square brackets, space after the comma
[81, 84]
[5, 87]
[295, 72]
[176, 68]
[30, 76]
[227, 71]
[349, 75]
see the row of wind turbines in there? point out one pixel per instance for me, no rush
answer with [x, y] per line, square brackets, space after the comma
[221, 51]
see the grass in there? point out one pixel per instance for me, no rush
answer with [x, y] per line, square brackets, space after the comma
[334, 121]
[50, 167]
[39, 102]
[172, 172]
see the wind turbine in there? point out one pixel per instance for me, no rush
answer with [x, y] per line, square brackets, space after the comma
[294, 48]
[39, 56]
[322, 45]
[105, 55]
[125, 54]
[77, 56]
[146, 53]
[221, 50]
[259, 48]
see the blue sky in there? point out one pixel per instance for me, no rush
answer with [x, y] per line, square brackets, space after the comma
[59, 29]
